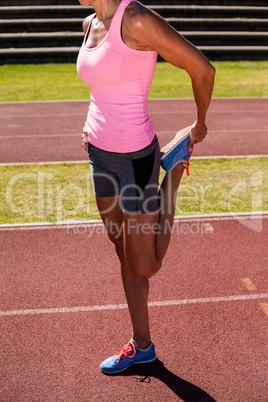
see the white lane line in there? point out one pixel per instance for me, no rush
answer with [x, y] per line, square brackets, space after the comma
[124, 306]
[224, 131]
[69, 224]
[235, 111]
[86, 161]
[227, 157]
[217, 99]
[64, 101]
[38, 115]
[48, 163]
[261, 130]
[41, 135]
[154, 100]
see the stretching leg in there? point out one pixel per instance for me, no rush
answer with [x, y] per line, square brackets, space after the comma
[141, 251]
[147, 236]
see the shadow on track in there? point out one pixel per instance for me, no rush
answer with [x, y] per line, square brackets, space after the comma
[185, 390]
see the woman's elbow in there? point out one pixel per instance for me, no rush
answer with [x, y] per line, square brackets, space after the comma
[203, 70]
[211, 71]
[208, 74]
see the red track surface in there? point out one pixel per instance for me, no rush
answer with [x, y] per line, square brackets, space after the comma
[210, 327]
[213, 347]
[45, 131]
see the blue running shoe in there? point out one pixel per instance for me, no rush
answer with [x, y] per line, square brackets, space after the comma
[176, 151]
[128, 355]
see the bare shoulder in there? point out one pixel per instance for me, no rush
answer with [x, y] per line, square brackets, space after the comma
[135, 8]
[139, 24]
[86, 23]
[136, 14]
[144, 29]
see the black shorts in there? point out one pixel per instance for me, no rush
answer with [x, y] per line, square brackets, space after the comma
[134, 176]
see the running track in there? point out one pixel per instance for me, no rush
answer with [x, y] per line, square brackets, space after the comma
[51, 131]
[62, 307]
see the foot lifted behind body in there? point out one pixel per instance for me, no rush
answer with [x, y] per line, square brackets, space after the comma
[176, 151]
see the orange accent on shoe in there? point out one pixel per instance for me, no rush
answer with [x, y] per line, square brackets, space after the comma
[187, 164]
[125, 350]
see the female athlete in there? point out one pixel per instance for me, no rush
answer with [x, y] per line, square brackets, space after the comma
[117, 59]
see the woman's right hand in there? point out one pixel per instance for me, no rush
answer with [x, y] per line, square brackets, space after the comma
[84, 140]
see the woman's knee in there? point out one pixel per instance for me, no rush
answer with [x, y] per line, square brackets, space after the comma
[141, 269]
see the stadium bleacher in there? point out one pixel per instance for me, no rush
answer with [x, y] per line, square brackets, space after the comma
[41, 31]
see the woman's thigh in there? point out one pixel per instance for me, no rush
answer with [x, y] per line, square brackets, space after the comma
[134, 235]
[140, 231]
[112, 217]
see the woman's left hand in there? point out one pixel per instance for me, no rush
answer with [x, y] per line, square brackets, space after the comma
[84, 140]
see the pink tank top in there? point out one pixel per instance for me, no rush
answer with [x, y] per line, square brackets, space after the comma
[120, 80]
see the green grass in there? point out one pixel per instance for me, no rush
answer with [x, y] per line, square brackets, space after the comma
[37, 193]
[60, 81]
[50, 193]
[233, 79]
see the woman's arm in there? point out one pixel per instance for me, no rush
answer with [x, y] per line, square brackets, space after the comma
[146, 30]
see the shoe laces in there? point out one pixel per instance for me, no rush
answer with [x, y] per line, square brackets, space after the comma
[187, 163]
[125, 351]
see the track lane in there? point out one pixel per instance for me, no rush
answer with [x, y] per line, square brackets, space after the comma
[209, 348]
[50, 131]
